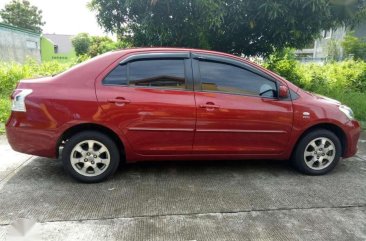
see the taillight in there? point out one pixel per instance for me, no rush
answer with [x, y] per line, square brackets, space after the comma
[18, 99]
[14, 93]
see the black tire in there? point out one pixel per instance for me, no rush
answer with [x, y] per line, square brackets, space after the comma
[300, 161]
[97, 137]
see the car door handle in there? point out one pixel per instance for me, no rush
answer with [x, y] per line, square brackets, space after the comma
[119, 100]
[210, 105]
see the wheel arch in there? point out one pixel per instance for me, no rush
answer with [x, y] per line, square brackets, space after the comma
[327, 126]
[68, 133]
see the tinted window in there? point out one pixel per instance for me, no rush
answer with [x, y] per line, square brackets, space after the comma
[118, 76]
[231, 79]
[157, 73]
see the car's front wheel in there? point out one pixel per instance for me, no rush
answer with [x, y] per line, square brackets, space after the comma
[90, 156]
[318, 152]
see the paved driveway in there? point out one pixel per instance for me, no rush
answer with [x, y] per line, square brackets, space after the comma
[248, 200]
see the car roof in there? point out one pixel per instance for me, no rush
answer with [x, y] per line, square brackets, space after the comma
[173, 49]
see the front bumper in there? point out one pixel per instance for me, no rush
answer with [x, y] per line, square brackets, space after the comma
[353, 132]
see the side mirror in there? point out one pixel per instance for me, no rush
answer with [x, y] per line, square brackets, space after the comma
[283, 92]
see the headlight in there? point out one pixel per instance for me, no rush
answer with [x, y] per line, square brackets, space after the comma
[347, 111]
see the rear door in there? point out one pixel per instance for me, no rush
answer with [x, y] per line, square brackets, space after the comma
[238, 111]
[150, 98]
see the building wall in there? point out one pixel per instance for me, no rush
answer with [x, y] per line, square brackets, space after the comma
[318, 52]
[321, 45]
[48, 52]
[18, 44]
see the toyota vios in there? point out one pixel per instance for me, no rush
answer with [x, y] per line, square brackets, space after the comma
[175, 104]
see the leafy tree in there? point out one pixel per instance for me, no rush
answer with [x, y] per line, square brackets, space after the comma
[22, 14]
[100, 45]
[91, 46]
[237, 26]
[81, 43]
[354, 47]
[284, 63]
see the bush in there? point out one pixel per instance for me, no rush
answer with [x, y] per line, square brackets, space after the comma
[11, 73]
[285, 64]
[349, 74]
[4, 109]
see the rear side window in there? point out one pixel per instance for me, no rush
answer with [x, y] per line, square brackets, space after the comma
[164, 73]
[227, 78]
[118, 76]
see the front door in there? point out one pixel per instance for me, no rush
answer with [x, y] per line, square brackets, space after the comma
[238, 111]
[151, 102]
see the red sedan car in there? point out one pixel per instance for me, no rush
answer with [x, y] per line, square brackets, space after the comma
[176, 104]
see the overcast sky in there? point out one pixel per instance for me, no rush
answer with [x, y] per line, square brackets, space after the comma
[66, 16]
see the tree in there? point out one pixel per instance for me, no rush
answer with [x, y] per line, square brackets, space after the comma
[91, 46]
[100, 45]
[22, 14]
[81, 43]
[237, 26]
[354, 47]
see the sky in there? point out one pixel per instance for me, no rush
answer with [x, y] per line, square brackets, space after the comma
[66, 16]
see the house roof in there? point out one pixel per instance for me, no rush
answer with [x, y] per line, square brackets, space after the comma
[63, 41]
[18, 29]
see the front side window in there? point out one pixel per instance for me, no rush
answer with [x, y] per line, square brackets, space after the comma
[227, 78]
[164, 73]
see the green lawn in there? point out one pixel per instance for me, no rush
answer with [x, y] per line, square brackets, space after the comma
[355, 100]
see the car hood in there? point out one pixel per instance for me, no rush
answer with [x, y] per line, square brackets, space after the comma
[325, 99]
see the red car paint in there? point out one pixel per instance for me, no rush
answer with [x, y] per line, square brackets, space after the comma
[162, 124]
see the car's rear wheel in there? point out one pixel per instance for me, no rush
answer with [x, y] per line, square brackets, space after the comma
[90, 156]
[318, 152]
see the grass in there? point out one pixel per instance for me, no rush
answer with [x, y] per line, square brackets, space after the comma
[355, 100]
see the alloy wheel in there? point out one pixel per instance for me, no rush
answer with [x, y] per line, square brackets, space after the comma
[319, 153]
[90, 158]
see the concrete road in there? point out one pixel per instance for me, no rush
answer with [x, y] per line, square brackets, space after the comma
[247, 200]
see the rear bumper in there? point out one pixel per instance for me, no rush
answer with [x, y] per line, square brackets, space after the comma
[31, 140]
[352, 130]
